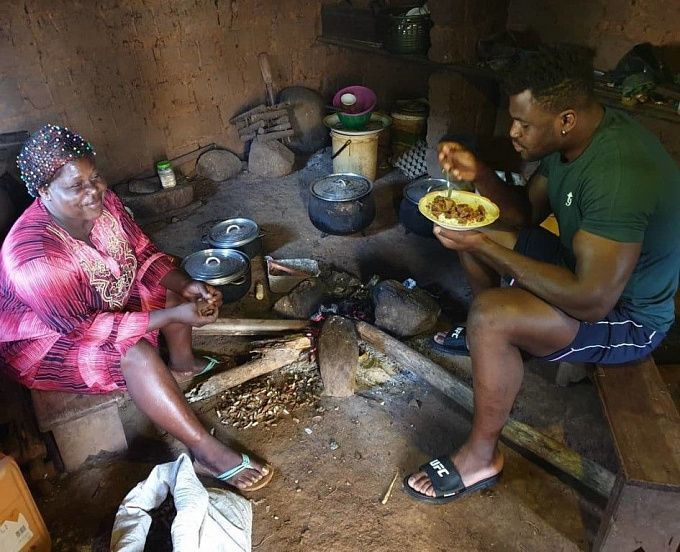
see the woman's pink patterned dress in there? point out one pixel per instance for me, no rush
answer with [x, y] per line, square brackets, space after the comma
[69, 311]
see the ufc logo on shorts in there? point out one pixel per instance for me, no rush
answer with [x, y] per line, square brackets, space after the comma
[456, 333]
[441, 470]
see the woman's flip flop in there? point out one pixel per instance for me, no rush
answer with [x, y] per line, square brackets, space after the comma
[231, 472]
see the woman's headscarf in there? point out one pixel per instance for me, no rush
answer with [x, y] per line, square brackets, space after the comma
[45, 152]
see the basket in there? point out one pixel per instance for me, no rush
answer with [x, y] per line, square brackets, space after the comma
[406, 34]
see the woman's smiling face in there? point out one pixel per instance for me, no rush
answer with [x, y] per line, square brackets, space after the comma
[76, 193]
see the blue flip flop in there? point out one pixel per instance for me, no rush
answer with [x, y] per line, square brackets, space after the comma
[212, 362]
[244, 465]
[455, 342]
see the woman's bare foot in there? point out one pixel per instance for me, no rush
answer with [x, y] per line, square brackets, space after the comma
[471, 468]
[214, 458]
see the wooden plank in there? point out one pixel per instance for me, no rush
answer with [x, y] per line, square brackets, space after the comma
[589, 473]
[644, 422]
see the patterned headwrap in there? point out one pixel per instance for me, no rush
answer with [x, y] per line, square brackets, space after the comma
[45, 152]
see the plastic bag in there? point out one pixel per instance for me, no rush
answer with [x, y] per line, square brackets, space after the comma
[208, 520]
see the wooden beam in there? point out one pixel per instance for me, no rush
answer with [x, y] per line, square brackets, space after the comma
[589, 473]
[247, 326]
[274, 356]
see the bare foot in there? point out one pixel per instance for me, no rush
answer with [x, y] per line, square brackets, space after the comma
[471, 469]
[215, 459]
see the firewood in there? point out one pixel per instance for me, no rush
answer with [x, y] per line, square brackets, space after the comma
[248, 326]
[274, 356]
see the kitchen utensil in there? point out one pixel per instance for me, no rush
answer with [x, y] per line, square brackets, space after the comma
[341, 203]
[226, 269]
[474, 200]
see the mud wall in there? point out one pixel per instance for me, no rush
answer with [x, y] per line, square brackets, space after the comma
[149, 79]
[611, 27]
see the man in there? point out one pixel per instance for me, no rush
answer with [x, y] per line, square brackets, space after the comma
[601, 292]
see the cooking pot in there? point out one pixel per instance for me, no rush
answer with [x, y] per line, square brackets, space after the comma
[341, 203]
[238, 233]
[226, 269]
[409, 215]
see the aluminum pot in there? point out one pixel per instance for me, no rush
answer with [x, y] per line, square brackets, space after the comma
[238, 233]
[226, 269]
[409, 215]
[341, 203]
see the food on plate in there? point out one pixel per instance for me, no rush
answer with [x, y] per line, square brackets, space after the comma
[448, 209]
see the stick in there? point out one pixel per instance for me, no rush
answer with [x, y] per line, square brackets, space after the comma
[388, 492]
[246, 326]
[274, 135]
[273, 357]
[589, 473]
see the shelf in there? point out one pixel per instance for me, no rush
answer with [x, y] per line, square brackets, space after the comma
[606, 96]
[612, 98]
[377, 49]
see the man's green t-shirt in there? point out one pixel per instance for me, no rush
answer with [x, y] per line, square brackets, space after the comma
[624, 187]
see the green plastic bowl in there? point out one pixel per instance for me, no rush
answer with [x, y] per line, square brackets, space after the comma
[354, 122]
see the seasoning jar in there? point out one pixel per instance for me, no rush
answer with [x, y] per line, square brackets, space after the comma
[166, 174]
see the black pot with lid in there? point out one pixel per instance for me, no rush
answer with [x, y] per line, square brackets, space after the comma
[236, 233]
[341, 203]
[226, 269]
[409, 215]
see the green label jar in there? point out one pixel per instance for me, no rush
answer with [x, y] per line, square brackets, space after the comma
[166, 174]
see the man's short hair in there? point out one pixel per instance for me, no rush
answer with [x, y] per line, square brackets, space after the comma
[559, 77]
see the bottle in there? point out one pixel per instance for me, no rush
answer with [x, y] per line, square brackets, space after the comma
[166, 174]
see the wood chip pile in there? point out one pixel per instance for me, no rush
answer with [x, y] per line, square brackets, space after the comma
[262, 401]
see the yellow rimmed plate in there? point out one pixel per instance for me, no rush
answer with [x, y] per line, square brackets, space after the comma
[491, 209]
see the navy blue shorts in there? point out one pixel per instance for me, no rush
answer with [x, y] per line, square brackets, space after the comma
[614, 340]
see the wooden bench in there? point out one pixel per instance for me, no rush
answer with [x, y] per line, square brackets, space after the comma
[643, 511]
[82, 425]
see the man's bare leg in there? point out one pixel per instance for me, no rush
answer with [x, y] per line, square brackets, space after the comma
[156, 394]
[500, 324]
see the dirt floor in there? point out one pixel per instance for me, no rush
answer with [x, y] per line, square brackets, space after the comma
[336, 457]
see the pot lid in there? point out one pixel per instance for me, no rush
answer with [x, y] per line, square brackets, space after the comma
[233, 233]
[342, 187]
[216, 266]
[415, 190]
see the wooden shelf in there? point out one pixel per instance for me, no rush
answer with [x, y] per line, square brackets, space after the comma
[607, 96]
[377, 49]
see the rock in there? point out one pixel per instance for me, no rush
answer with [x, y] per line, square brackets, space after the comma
[340, 285]
[303, 300]
[144, 186]
[218, 165]
[338, 356]
[161, 201]
[404, 312]
[270, 159]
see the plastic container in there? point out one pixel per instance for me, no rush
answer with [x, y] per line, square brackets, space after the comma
[360, 156]
[405, 34]
[166, 174]
[407, 129]
[21, 526]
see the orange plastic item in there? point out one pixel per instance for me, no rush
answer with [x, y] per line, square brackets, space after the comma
[22, 528]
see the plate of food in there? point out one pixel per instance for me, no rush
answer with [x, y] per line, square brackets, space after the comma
[459, 211]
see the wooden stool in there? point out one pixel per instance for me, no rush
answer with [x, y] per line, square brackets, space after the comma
[82, 425]
[643, 511]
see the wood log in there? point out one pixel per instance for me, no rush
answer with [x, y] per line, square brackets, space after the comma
[589, 473]
[338, 356]
[274, 356]
[247, 326]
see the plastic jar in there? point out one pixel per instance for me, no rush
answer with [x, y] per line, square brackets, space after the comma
[166, 174]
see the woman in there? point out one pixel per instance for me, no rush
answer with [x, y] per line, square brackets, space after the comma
[84, 293]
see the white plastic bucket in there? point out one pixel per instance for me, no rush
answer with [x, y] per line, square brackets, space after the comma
[359, 156]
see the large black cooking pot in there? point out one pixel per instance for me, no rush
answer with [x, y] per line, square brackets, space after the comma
[409, 215]
[341, 203]
[237, 233]
[226, 269]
